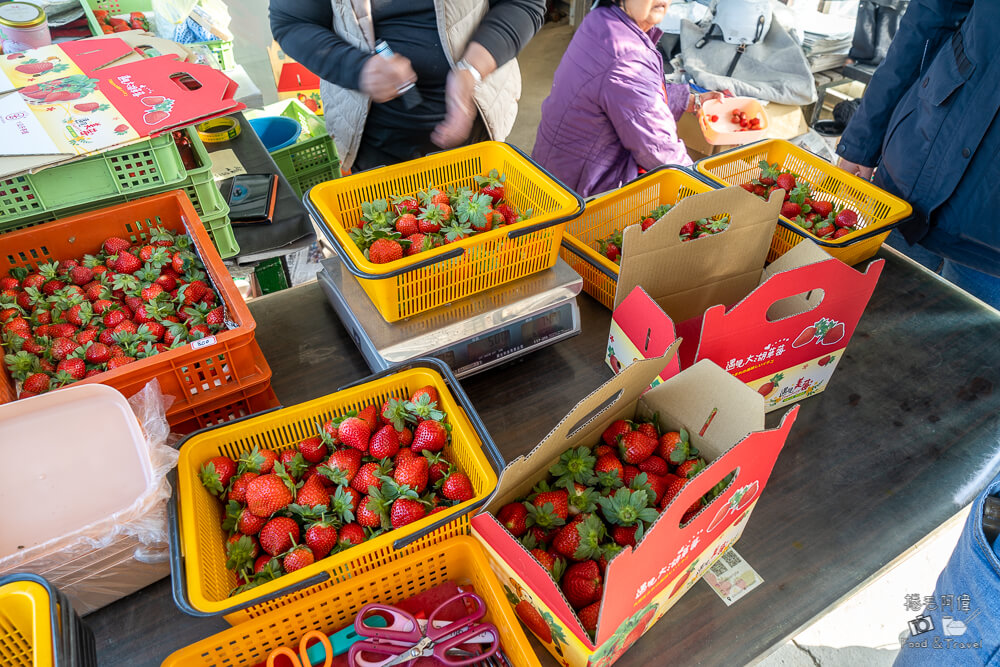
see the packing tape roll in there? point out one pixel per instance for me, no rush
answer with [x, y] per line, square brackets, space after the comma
[218, 130]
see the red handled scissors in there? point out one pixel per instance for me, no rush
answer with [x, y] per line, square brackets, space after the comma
[406, 638]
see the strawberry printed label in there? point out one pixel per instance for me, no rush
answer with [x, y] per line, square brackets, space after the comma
[798, 382]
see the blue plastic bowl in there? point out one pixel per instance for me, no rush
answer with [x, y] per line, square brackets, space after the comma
[276, 132]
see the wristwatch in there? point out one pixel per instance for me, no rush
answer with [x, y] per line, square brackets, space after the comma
[476, 76]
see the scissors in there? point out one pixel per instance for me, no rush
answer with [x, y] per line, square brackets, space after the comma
[303, 658]
[406, 638]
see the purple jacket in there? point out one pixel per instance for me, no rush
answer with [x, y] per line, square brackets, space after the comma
[606, 115]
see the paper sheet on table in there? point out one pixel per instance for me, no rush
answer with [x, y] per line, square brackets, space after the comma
[731, 577]
[225, 165]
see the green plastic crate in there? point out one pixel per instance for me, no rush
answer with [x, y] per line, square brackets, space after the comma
[137, 168]
[313, 157]
[222, 49]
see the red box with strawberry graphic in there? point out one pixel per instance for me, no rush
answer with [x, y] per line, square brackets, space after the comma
[784, 338]
[724, 422]
[93, 95]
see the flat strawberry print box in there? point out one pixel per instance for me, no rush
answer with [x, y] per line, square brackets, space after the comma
[725, 421]
[91, 108]
[784, 339]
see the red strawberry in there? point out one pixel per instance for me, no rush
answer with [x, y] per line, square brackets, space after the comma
[582, 584]
[648, 430]
[418, 243]
[431, 435]
[406, 510]
[510, 216]
[630, 473]
[786, 182]
[37, 383]
[118, 362]
[238, 490]
[458, 487]
[267, 494]
[249, 523]
[312, 449]
[412, 472]
[76, 368]
[581, 539]
[491, 185]
[841, 232]
[559, 501]
[352, 534]
[313, 494]
[846, 218]
[609, 463]
[636, 447]
[52, 286]
[617, 428]
[354, 432]
[790, 210]
[822, 208]
[824, 229]
[367, 478]
[588, 617]
[673, 447]
[383, 251]
[151, 292]
[512, 516]
[551, 562]
[126, 262]
[80, 275]
[342, 466]
[367, 514]
[299, 557]
[407, 224]
[440, 467]
[277, 535]
[384, 444]
[654, 465]
[63, 347]
[321, 537]
[674, 486]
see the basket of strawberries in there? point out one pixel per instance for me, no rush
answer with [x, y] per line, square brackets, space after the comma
[592, 242]
[122, 296]
[427, 232]
[314, 494]
[848, 216]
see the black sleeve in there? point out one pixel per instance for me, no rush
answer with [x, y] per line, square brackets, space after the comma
[303, 28]
[508, 26]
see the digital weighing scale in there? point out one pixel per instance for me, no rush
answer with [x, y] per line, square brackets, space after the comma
[470, 335]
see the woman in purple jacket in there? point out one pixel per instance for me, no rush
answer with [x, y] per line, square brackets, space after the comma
[609, 113]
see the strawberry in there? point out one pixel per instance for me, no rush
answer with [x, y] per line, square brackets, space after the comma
[846, 218]
[80, 275]
[384, 444]
[63, 347]
[824, 229]
[369, 514]
[549, 508]
[407, 224]
[321, 537]
[37, 383]
[673, 446]
[278, 535]
[790, 210]
[458, 487]
[299, 557]
[268, 494]
[647, 223]
[430, 221]
[551, 562]
[439, 198]
[841, 232]
[630, 473]
[342, 466]
[674, 486]
[238, 488]
[588, 617]
[368, 477]
[430, 435]
[624, 535]
[617, 428]
[406, 510]
[602, 449]
[312, 494]
[355, 433]
[513, 516]
[649, 430]
[418, 243]
[115, 245]
[822, 208]
[76, 368]
[582, 584]
[383, 251]
[581, 539]
[118, 362]
[152, 292]
[654, 465]
[126, 262]
[352, 534]
[510, 215]
[413, 472]
[405, 205]
[690, 468]
[52, 286]
[636, 447]
[610, 464]
[240, 552]
[439, 466]
[491, 185]
[249, 523]
[312, 449]
[369, 415]
[786, 182]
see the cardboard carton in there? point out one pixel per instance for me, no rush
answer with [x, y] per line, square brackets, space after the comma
[293, 80]
[726, 422]
[690, 276]
[97, 94]
[784, 338]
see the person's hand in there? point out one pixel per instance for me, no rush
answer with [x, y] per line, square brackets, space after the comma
[856, 169]
[710, 95]
[460, 110]
[381, 78]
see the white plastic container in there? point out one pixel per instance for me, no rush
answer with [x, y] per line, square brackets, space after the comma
[23, 26]
[724, 132]
[88, 483]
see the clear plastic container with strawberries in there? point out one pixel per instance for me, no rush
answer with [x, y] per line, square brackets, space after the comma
[327, 488]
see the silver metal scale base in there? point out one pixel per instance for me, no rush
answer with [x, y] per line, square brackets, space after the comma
[505, 323]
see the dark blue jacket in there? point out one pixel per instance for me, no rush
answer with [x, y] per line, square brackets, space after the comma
[929, 122]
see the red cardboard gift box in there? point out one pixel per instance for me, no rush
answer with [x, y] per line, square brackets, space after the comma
[726, 422]
[784, 339]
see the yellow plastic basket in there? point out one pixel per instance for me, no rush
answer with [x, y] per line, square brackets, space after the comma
[433, 278]
[28, 624]
[459, 559]
[613, 212]
[201, 582]
[878, 211]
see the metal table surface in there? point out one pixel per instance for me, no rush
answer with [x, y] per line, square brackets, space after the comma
[904, 436]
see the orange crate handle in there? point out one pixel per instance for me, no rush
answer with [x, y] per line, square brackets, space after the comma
[489, 447]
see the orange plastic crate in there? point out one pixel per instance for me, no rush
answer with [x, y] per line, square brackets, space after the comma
[193, 374]
[245, 401]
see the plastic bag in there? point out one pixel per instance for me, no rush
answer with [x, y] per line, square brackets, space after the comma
[116, 556]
